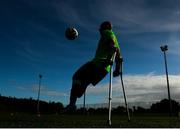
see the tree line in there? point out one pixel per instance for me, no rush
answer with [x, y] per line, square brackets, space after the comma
[12, 104]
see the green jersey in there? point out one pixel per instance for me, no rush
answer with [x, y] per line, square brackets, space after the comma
[107, 43]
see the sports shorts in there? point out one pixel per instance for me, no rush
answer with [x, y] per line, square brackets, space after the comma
[89, 73]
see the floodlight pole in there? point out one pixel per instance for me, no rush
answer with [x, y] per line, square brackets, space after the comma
[40, 77]
[164, 49]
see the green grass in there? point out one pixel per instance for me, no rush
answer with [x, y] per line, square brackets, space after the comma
[64, 121]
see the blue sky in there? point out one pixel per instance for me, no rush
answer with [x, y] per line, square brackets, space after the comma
[33, 42]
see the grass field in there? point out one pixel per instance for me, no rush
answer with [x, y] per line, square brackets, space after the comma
[8, 120]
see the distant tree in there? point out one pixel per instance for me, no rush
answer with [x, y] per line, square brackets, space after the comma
[12, 104]
[141, 109]
[163, 106]
[91, 111]
[119, 109]
[82, 111]
[101, 110]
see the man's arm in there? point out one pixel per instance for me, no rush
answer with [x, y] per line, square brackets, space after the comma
[118, 61]
[111, 51]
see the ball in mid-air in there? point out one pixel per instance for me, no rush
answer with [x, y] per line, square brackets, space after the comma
[71, 33]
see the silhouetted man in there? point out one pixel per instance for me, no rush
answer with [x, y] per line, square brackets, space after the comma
[95, 70]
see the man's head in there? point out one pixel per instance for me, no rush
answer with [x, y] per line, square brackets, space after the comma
[106, 25]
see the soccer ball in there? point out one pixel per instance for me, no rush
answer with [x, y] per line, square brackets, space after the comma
[71, 33]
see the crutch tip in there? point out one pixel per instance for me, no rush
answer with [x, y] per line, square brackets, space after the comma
[109, 122]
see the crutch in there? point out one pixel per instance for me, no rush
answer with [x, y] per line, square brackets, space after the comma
[127, 110]
[110, 87]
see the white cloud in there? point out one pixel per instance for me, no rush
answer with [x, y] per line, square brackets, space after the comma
[44, 90]
[133, 16]
[74, 14]
[141, 88]
[29, 53]
[174, 44]
[54, 93]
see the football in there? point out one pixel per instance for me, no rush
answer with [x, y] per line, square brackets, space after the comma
[71, 33]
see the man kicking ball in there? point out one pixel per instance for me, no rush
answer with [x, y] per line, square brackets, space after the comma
[95, 70]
